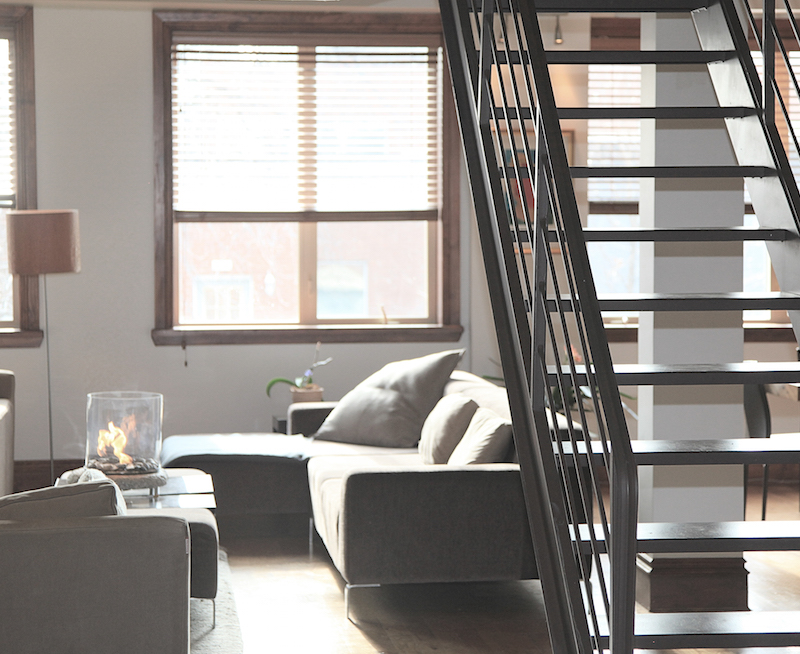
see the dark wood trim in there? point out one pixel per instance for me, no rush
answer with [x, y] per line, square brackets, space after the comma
[162, 39]
[667, 585]
[323, 333]
[615, 33]
[247, 24]
[21, 338]
[429, 215]
[36, 473]
[287, 22]
[20, 21]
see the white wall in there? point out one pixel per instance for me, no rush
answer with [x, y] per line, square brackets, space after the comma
[95, 154]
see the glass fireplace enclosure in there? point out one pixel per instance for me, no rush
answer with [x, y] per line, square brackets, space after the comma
[123, 432]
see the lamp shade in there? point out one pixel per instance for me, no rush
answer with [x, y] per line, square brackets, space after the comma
[42, 242]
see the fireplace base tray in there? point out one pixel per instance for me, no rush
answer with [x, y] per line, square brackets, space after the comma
[146, 480]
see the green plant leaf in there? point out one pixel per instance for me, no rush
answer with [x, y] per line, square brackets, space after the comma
[278, 380]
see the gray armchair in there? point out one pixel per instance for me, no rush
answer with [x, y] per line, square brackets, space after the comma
[89, 583]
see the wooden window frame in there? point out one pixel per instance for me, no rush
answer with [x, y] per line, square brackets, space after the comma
[18, 21]
[165, 25]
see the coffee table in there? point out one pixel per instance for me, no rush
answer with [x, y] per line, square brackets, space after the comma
[186, 488]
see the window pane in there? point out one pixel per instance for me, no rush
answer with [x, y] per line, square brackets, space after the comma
[238, 273]
[377, 129]
[614, 142]
[615, 264]
[6, 280]
[7, 175]
[235, 132]
[372, 269]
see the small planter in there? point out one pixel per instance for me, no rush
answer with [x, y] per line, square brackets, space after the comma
[310, 393]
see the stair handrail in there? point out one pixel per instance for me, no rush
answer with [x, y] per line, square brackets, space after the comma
[528, 333]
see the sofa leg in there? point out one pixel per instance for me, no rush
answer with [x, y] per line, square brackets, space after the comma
[347, 589]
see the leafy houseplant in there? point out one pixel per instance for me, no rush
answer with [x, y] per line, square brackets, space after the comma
[303, 389]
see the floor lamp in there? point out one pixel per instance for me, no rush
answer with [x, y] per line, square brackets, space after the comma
[42, 242]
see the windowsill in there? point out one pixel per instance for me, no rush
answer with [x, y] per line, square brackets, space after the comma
[19, 338]
[325, 333]
[753, 333]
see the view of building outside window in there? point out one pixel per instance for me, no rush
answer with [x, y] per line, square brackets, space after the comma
[261, 130]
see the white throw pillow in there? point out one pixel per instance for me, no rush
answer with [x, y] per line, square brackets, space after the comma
[388, 408]
[444, 427]
[486, 440]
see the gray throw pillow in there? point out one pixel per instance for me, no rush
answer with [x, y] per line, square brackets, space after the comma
[84, 500]
[388, 408]
[445, 425]
[486, 441]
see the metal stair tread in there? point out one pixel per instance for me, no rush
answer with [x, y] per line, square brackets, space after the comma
[734, 301]
[633, 113]
[711, 451]
[690, 234]
[614, 6]
[719, 629]
[583, 172]
[678, 374]
[632, 56]
[686, 537]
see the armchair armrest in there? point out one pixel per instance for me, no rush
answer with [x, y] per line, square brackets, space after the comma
[95, 585]
[307, 417]
[434, 523]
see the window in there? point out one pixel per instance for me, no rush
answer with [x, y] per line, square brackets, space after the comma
[19, 297]
[307, 181]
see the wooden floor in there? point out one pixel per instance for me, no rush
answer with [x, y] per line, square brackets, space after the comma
[290, 603]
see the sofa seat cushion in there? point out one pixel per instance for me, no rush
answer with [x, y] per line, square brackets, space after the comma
[389, 407]
[393, 519]
[259, 473]
[325, 481]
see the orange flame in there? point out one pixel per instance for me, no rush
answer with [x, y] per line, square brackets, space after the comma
[113, 440]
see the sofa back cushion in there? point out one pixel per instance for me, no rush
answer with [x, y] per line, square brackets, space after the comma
[389, 407]
[84, 500]
[486, 440]
[444, 427]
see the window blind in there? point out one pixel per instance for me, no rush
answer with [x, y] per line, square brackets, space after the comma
[614, 142]
[8, 174]
[277, 128]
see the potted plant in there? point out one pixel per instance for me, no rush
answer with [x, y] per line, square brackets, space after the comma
[303, 389]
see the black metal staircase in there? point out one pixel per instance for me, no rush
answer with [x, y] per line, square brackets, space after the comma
[548, 314]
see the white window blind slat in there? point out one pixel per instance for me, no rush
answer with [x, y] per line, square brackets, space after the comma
[291, 128]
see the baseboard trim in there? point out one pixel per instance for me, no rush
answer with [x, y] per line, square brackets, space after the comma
[667, 585]
[36, 473]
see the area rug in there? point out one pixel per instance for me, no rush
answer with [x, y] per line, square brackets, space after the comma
[226, 637]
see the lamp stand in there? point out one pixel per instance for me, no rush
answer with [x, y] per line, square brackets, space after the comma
[49, 388]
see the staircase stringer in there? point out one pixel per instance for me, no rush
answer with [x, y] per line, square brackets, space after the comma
[755, 140]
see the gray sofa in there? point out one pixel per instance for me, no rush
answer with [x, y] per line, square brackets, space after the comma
[383, 515]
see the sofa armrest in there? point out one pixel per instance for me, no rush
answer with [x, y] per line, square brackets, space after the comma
[434, 523]
[95, 585]
[307, 417]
